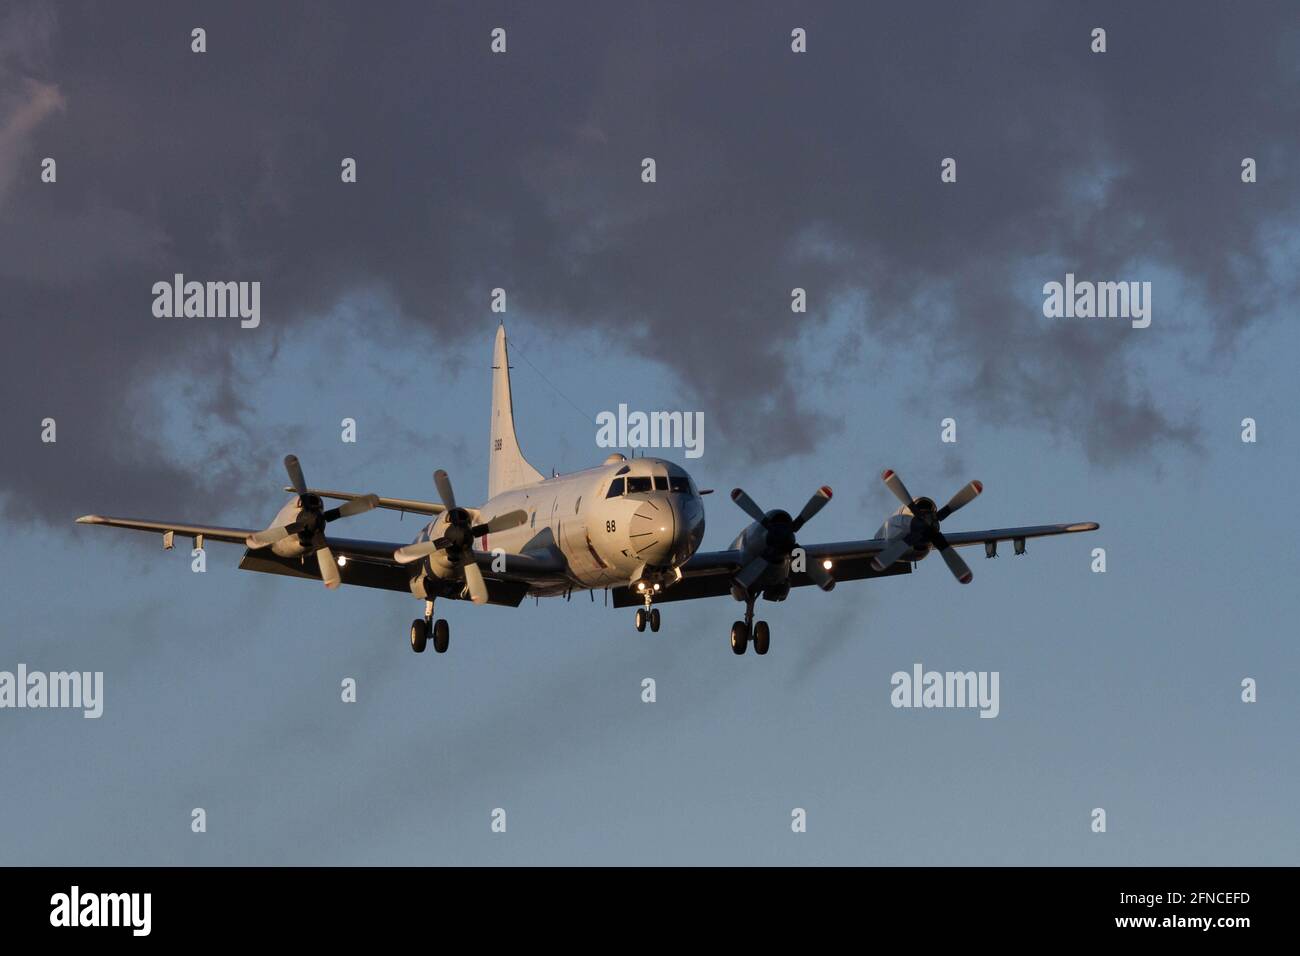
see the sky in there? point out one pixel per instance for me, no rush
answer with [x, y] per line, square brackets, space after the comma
[820, 170]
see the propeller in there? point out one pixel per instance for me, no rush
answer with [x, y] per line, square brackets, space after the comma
[925, 526]
[310, 524]
[779, 539]
[457, 539]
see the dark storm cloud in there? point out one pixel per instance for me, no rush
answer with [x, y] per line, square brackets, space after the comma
[775, 171]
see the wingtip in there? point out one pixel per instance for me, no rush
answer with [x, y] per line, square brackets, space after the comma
[90, 519]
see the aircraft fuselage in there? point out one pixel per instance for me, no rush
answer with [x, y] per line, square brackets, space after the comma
[622, 521]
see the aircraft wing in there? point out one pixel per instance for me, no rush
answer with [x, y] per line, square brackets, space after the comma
[413, 505]
[367, 564]
[209, 532]
[709, 573]
[961, 539]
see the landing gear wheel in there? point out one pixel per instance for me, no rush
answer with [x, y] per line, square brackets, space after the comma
[441, 635]
[654, 619]
[419, 634]
[762, 637]
[640, 619]
[739, 637]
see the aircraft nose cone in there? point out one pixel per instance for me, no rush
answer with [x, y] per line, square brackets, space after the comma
[666, 529]
[652, 531]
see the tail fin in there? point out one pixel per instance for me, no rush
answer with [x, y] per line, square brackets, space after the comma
[506, 465]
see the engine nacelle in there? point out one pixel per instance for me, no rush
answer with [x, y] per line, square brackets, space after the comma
[901, 524]
[304, 510]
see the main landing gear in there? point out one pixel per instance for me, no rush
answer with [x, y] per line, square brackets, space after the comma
[742, 632]
[424, 628]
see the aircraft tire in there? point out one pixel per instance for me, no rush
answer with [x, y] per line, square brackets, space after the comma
[739, 637]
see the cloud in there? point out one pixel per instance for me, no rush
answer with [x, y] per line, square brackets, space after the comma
[775, 170]
[24, 104]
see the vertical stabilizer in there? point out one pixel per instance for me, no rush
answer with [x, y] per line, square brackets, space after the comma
[507, 468]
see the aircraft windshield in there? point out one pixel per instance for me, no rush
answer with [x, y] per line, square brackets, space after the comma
[678, 484]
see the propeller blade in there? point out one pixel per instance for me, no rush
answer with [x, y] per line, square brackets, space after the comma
[329, 568]
[955, 564]
[443, 484]
[270, 536]
[821, 577]
[893, 551]
[962, 498]
[747, 504]
[478, 592]
[815, 504]
[414, 552]
[355, 506]
[502, 522]
[751, 572]
[895, 485]
[295, 474]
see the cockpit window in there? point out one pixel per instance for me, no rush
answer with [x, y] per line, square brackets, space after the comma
[679, 484]
[637, 483]
[615, 488]
[661, 482]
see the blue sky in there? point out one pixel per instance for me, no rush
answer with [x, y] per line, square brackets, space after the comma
[1118, 690]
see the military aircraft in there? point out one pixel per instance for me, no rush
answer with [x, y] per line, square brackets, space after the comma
[630, 527]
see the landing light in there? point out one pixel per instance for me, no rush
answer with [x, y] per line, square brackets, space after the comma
[828, 564]
[343, 561]
[640, 585]
[656, 587]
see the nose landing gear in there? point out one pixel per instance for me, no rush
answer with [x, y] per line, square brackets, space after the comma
[647, 615]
